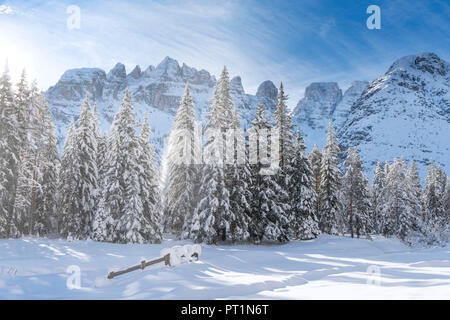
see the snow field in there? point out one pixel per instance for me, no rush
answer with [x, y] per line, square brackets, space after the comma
[325, 268]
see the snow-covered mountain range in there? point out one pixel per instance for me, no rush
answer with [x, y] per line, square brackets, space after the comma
[156, 91]
[404, 112]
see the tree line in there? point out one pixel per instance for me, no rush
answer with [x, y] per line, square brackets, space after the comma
[216, 183]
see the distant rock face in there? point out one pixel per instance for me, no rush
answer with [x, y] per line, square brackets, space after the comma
[267, 90]
[406, 113]
[236, 86]
[351, 95]
[315, 110]
[267, 94]
[155, 91]
[136, 73]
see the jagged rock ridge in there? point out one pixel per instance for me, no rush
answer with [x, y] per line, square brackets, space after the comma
[156, 91]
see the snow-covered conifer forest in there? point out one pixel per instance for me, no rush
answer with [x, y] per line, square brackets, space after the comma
[216, 183]
[224, 150]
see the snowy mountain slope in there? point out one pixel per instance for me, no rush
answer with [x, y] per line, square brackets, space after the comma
[325, 268]
[324, 101]
[351, 95]
[156, 91]
[315, 109]
[406, 113]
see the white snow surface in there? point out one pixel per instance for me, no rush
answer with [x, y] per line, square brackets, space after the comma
[324, 268]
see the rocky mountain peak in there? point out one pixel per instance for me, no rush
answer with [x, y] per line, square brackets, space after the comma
[147, 72]
[321, 92]
[267, 90]
[236, 85]
[118, 72]
[74, 84]
[315, 109]
[169, 67]
[351, 95]
[156, 91]
[403, 113]
[136, 73]
[187, 72]
[424, 62]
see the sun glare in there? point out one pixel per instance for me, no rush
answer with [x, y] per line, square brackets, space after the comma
[16, 57]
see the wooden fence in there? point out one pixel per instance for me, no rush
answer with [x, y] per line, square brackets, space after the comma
[144, 264]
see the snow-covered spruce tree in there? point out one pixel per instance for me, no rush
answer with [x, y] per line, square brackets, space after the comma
[447, 202]
[44, 199]
[149, 184]
[415, 194]
[395, 196]
[286, 139]
[9, 158]
[431, 201]
[122, 199]
[32, 164]
[102, 151]
[435, 181]
[265, 224]
[86, 187]
[26, 181]
[239, 183]
[303, 221]
[258, 159]
[441, 181]
[386, 168]
[70, 220]
[28, 174]
[184, 152]
[209, 222]
[102, 148]
[315, 159]
[212, 219]
[383, 221]
[330, 183]
[27, 167]
[400, 218]
[410, 221]
[38, 166]
[436, 211]
[102, 223]
[355, 195]
[222, 103]
[283, 124]
[377, 200]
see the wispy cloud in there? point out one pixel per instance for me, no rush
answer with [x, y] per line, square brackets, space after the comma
[293, 42]
[4, 9]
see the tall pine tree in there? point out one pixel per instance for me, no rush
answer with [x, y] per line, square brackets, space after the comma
[9, 158]
[266, 212]
[377, 198]
[149, 184]
[239, 184]
[355, 195]
[330, 183]
[212, 218]
[87, 185]
[303, 220]
[70, 220]
[183, 159]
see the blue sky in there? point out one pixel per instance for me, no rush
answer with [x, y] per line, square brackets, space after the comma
[297, 42]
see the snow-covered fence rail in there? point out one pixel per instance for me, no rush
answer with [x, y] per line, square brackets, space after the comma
[142, 266]
[170, 256]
